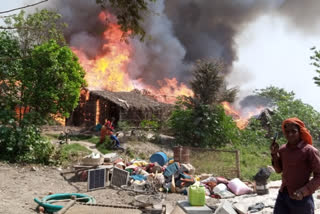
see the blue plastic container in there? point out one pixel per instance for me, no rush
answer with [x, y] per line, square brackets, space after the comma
[159, 157]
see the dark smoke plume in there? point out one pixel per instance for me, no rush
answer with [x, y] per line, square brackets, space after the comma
[255, 101]
[181, 31]
[301, 14]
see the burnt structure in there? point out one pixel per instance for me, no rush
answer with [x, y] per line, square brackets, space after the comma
[97, 105]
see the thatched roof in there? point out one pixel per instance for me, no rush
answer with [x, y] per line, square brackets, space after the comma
[128, 100]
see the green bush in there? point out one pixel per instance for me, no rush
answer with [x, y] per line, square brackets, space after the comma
[202, 126]
[124, 125]
[24, 144]
[70, 152]
[152, 124]
[104, 147]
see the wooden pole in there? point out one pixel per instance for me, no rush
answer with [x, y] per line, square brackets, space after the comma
[68, 206]
[238, 163]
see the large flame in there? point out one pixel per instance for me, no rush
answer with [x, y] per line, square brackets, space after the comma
[241, 118]
[109, 71]
[170, 90]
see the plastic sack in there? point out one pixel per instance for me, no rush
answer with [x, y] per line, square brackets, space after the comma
[219, 188]
[197, 195]
[238, 187]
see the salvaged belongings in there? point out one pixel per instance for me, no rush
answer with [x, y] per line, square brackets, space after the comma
[261, 181]
[93, 159]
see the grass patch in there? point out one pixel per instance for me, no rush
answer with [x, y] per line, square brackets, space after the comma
[52, 136]
[74, 148]
[214, 162]
[252, 158]
[88, 138]
[72, 152]
[104, 148]
[79, 137]
[94, 139]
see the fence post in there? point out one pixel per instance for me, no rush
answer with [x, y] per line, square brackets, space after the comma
[238, 163]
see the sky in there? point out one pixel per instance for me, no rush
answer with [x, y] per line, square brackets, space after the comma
[269, 53]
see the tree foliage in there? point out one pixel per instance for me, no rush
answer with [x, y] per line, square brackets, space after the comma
[286, 106]
[9, 70]
[38, 77]
[23, 144]
[208, 84]
[129, 14]
[315, 58]
[47, 82]
[52, 83]
[37, 28]
[201, 120]
[202, 126]
[40, 73]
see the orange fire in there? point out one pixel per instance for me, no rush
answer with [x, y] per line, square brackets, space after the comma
[241, 119]
[170, 90]
[109, 71]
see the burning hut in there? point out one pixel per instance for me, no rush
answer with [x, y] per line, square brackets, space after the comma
[97, 105]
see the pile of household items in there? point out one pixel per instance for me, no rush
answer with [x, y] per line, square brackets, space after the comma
[159, 174]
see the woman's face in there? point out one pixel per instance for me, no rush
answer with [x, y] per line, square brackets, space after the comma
[292, 133]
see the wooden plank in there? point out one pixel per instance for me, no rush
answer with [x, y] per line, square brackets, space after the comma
[68, 206]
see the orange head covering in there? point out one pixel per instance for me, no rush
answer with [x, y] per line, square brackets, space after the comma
[304, 132]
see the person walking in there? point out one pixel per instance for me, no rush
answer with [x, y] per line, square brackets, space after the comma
[296, 160]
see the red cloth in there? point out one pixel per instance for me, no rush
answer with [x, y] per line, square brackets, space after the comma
[297, 162]
[103, 134]
[109, 127]
[304, 133]
[106, 129]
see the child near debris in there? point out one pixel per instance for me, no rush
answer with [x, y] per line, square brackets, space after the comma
[107, 129]
[296, 160]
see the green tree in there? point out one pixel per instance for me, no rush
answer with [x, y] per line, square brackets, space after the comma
[208, 84]
[39, 76]
[201, 120]
[50, 76]
[286, 106]
[276, 94]
[315, 58]
[10, 67]
[37, 28]
[18, 143]
[51, 84]
[202, 126]
[129, 14]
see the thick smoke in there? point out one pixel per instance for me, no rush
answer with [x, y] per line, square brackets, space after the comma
[255, 101]
[84, 27]
[181, 31]
[207, 29]
[162, 55]
[301, 14]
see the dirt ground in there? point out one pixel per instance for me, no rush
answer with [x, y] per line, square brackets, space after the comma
[19, 185]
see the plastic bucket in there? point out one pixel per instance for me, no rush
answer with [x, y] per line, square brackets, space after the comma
[159, 157]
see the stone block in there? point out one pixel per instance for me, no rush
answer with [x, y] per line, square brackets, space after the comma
[187, 208]
[225, 208]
